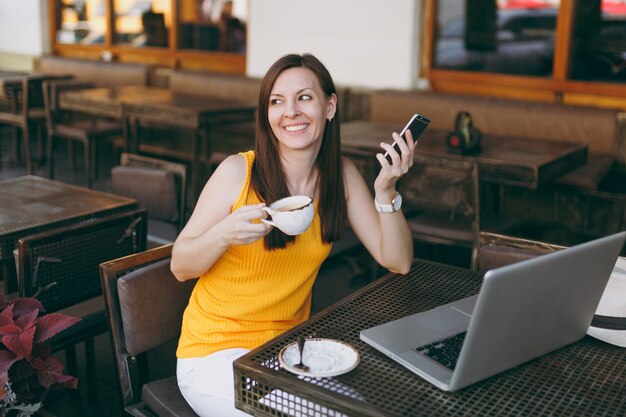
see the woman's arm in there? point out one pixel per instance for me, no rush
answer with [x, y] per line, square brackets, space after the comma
[385, 235]
[212, 227]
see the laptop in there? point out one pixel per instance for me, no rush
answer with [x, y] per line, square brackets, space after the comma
[523, 310]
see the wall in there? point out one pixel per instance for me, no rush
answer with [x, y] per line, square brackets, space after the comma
[23, 32]
[367, 43]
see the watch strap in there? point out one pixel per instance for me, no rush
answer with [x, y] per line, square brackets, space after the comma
[387, 208]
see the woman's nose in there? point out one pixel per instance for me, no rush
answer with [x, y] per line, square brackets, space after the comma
[292, 109]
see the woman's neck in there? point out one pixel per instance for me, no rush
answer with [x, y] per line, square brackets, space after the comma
[301, 174]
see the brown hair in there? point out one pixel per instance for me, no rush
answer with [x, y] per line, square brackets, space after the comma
[268, 179]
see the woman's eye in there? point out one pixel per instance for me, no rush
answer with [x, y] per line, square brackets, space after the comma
[305, 97]
[275, 101]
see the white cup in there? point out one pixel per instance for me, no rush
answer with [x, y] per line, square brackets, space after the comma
[292, 215]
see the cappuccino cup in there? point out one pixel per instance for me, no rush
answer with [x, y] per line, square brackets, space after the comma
[292, 215]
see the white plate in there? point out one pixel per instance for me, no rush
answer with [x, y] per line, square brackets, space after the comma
[324, 357]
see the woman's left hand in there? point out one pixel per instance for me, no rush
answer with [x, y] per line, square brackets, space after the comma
[401, 162]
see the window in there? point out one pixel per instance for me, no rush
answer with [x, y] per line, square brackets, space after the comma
[503, 37]
[213, 25]
[80, 22]
[599, 42]
[570, 51]
[142, 22]
[198, 34]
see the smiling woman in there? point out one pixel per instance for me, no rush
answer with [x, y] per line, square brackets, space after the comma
[256, 280]
[298, 115]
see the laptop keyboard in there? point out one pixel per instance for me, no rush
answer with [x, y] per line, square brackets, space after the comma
[445, 351]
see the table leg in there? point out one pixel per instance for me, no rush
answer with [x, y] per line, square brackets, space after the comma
[132, 132]
[492, 197]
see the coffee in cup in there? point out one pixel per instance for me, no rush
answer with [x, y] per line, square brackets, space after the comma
[292, 215]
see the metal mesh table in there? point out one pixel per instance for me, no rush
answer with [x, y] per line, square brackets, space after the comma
[32, 204]
[587, 378]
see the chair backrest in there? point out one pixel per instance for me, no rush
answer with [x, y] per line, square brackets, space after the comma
[441, 184]
[445, 189]
[25, 96]
[51, 92]
[145, 304]
[158, 185]
[498, 250]
[63, 262]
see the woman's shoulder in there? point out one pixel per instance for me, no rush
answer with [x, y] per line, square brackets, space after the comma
[227, 179]
[349, 167]
[233, 167]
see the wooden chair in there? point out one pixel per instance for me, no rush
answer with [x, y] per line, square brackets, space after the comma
[145, 304]
[60, 268]
[441, 202]
[497, 250]
[158, 185]
[227, 140]
[85, 129]
[27, 114]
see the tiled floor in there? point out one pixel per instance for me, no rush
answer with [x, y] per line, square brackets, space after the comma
[338, 277]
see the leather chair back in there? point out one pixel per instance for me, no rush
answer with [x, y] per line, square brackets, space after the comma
[145, 304]
[158, 185]
[441, 200]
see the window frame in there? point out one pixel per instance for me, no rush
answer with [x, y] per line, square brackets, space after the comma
[171, 56]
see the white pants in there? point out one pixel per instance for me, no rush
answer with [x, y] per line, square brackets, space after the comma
[207, 383]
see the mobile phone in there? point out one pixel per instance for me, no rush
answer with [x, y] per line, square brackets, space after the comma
[416, 125]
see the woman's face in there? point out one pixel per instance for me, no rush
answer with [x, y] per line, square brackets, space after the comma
[298, 109]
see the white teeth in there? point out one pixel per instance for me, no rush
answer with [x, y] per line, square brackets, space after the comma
[295, 128]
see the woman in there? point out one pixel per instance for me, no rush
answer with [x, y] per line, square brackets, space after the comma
[255, 282]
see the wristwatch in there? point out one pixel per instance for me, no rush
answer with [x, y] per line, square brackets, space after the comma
[396, 203]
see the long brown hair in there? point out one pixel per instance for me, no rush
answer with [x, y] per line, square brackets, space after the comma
[268, 178]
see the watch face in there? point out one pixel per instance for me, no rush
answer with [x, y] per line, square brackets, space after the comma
[397, 202]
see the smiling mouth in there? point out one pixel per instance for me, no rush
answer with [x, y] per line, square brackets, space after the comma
[296, 128]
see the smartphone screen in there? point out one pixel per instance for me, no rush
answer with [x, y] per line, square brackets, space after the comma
[416, 125]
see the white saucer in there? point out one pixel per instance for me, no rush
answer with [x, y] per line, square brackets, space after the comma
[324, 357]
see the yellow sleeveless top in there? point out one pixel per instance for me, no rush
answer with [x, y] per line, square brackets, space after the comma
[251, 295]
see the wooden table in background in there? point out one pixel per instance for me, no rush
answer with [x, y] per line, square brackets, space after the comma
[164, 107]
[32, 204]
[12, 80]
[503, 160]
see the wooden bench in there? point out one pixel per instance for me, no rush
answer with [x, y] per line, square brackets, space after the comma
[100, 73]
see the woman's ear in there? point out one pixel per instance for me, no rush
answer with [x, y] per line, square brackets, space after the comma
[331, 107]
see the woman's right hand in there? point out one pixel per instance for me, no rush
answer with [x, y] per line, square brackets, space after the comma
[242, 226]
[213, 226]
